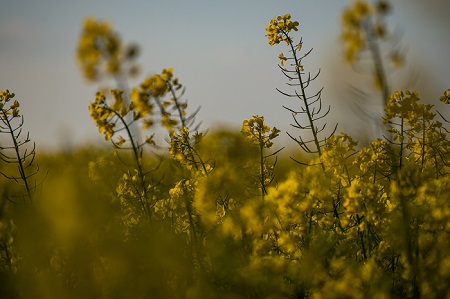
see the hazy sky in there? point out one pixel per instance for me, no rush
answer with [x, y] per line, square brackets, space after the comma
[218, 50]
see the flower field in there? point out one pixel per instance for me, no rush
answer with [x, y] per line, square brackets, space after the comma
[230, 214]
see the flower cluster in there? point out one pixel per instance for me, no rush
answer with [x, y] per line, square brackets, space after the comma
[151, 92]
[258, 132]
[13, 109]
[335, 155]
[413, 126]
[100, 52]
[374, 161]
[278, 28]
[445, 98]
[365, 203]
[358, 28]
[353, 30]
[144, 98]
[103, 115]
[99, 49]
[402, 104]
[160, 84]
[183, 148]
[179, 144]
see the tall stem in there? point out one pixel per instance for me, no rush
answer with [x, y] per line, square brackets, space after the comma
[261, 164]
[143, 199]
[20, 161]
[378, 61]
[303, 96]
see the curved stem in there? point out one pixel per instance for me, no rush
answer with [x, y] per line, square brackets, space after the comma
[144, 200]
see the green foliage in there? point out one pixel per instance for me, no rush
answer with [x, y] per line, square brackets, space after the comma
[221, 214]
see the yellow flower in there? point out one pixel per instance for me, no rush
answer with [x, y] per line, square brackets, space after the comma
[167, 74]
[353, 28]
[98, 46]
[446, 97]
[140, 103]
[255, 130]
[282, 58]
[120, 141]
[15, 105]
[278, 28]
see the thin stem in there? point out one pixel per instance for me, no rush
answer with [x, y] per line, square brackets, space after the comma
[143, 201]
[261, 164]
[401, 144]
[180, 112]
[303, 95]
[20, 161]
[378, 61]
[424, 132]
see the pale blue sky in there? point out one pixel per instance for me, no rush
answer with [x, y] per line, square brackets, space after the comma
[217, 49]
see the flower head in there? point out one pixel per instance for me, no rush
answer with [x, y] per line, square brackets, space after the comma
[446, 97]
[256, 130]
[278, 29]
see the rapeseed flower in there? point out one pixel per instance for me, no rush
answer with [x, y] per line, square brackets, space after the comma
[99, 49]
[278, 28]
[258, 132]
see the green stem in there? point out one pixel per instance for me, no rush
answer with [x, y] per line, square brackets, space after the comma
[261, 164]
[191, 221]
[143, 200]
[175, 98]
[424, 132]
[303, 96]
[20, 161]
[194, 151]
[361, 235]
[401, 144]
[378, 61]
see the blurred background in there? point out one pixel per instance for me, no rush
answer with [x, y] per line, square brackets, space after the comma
[219, 52]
